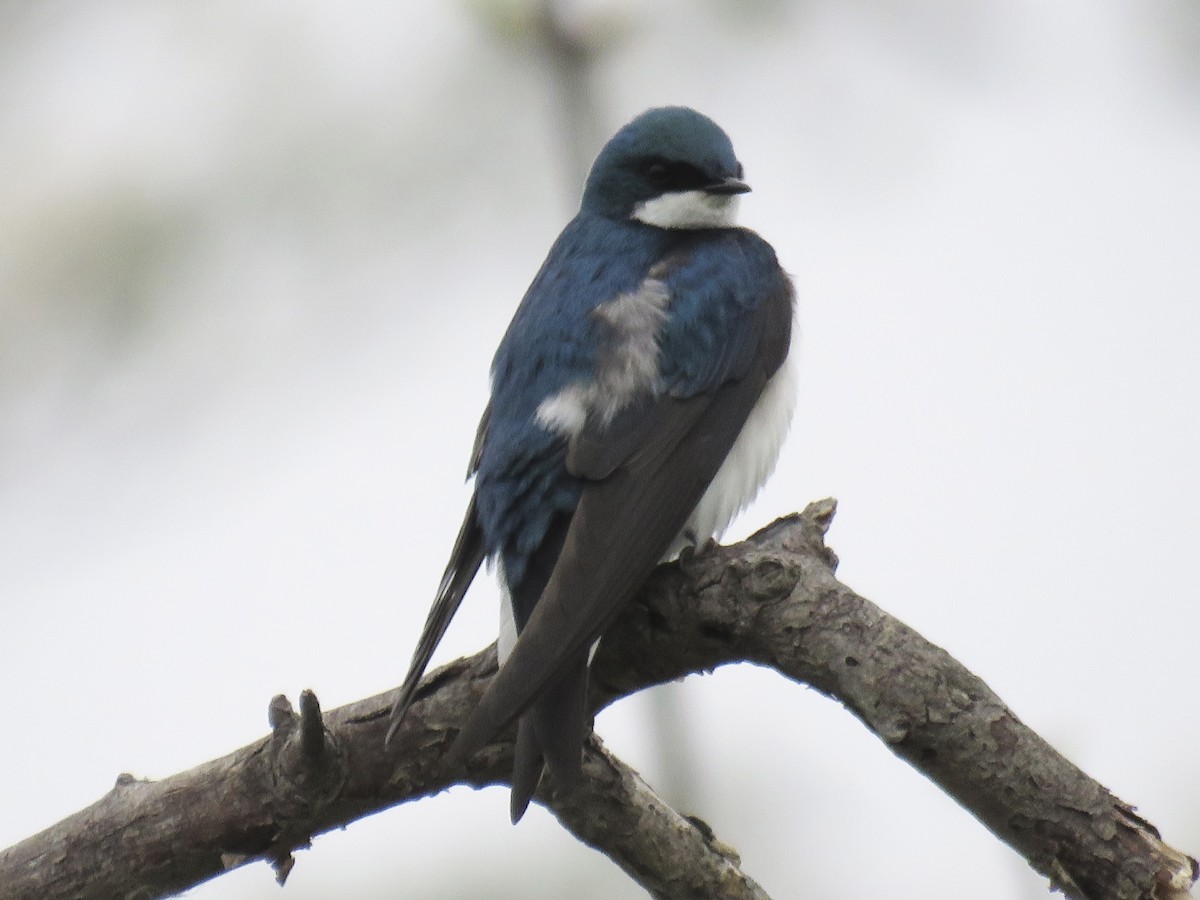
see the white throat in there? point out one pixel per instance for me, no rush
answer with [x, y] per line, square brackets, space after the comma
[688, 209]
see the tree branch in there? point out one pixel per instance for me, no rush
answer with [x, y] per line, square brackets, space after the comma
[670, 855]
[771, 600]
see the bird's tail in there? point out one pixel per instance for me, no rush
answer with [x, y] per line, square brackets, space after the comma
[551, 733]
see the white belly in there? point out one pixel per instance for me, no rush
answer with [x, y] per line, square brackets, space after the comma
[748, 465]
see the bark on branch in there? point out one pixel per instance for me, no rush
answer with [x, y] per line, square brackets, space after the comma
[772, 600]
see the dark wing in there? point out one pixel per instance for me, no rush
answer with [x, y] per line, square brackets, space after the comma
[653, 472]
[466, 557]
[481, 433]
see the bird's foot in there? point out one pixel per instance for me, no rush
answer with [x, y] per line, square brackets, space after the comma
[697, 551]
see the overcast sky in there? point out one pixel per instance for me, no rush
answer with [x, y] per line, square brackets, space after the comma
[255, 258]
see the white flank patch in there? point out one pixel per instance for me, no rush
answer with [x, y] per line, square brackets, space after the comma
[565, 412]
[627, 365]
[748, 465]
[688, 209]
[508, 621]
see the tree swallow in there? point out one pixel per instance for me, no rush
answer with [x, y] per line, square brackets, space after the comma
[639, 400]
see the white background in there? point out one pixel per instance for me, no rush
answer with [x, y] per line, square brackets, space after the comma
[255, 257]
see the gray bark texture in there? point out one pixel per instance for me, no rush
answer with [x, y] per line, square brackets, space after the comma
[772, 600]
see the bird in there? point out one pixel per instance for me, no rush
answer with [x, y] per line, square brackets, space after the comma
[639, 400]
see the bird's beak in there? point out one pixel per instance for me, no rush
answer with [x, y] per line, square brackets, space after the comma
[728, 185]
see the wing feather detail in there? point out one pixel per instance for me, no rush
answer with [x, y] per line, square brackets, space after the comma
[465, 560]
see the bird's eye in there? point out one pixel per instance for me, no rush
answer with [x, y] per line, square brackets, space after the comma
[656, 171]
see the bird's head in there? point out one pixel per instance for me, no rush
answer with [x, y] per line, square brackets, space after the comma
[670, 167]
